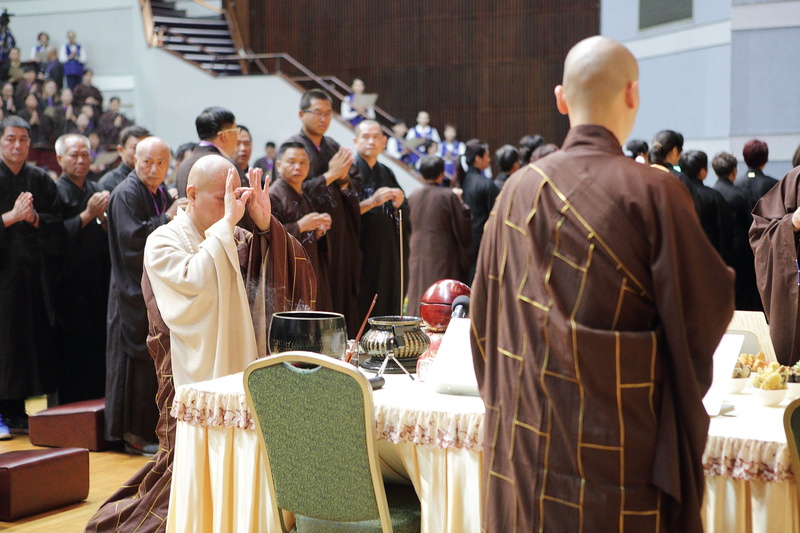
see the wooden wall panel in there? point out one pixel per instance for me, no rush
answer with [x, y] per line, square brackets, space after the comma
[487, 66]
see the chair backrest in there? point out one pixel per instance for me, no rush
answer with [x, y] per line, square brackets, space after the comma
[791, 424]
[318, 436]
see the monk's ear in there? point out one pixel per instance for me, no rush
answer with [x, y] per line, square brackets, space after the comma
[632, 94]
[561, 101]
[191, 192]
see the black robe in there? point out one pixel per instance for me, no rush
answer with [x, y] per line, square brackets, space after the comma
[130, 374]
[288, 207]
[380, 242]
[341, 203]
[714, 215]
[182, 177]
[82, 298]
[479, 194]
[114, 177]
[756, 184]
[28, 266]
[747, 297]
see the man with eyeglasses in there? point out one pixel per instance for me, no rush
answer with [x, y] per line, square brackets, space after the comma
[328, 188]
[219, 135]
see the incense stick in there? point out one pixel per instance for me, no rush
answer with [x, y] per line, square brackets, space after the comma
[400, 228]
[363, 325]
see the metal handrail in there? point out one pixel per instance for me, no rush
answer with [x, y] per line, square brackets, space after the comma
[236, 34]
[209, 7]
[329, 83]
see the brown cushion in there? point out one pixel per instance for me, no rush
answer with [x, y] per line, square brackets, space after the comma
[78, 424]
[34, 481]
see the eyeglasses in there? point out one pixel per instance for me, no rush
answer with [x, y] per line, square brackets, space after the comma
[235, 128]
[319, 114]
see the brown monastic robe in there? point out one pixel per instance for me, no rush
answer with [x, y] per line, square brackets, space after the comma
[596, 309]
[340, 201]
[142, 503]
[289, 206]
[440, 242]
[774, 241]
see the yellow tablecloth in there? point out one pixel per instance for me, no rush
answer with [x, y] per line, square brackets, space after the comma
[749, 482]
[435, 442]
[219, 485]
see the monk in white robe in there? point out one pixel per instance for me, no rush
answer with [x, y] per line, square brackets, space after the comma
[193, 266]
[199, 313]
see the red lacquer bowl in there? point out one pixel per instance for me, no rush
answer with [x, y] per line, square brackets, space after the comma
[434, 308]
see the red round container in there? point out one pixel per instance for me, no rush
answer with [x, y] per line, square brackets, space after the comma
[434, 308]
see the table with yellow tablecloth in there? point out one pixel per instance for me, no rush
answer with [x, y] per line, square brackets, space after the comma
[435, 442]
[428, 439]
[749, 482]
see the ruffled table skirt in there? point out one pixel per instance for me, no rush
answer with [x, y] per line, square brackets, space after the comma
[434, 441]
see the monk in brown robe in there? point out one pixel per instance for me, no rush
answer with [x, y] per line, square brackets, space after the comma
[440, 243]
[141, 504]
[293, 209]
[774, 239]
[597, 306]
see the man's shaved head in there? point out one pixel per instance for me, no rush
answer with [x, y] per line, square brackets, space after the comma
[207, 171]
[596, 71]
[600, 84]
[205, 189]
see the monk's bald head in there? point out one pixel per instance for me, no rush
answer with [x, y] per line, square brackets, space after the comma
[150, 145]
[597, 70]
[209, 171]
[600, 86]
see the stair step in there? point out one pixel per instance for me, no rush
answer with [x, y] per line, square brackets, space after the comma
[165, 11]
[221, 66]
[184, 48]
[162, 4]
[200, 32]
[206, 57]
[193, 22]
[198, 40]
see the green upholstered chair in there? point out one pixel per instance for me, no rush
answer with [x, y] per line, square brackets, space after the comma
[791, 424]
[317, 431]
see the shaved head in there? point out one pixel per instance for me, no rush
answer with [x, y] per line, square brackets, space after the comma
[600, 85]
[596, 71]
[205, 190]
[148, 144]
[207, 171]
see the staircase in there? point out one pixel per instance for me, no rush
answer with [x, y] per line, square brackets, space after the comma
[200, 40]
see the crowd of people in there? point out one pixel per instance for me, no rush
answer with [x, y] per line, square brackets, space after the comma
[52, 89]
[105, 280]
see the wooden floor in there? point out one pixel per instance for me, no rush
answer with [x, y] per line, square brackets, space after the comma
[107, 472]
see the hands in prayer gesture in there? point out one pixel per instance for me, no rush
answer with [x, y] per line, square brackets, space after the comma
[259, 206]
[254, 198]
[235, 197]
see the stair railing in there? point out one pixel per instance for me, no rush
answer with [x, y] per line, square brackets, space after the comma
[155, 38]
[236, 34]
[150, 34]
[208, 6]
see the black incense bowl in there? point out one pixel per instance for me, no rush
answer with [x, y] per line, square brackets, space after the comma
[310, 331]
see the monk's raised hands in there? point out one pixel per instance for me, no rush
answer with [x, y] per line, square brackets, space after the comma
[259, 206]
[235, 197]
